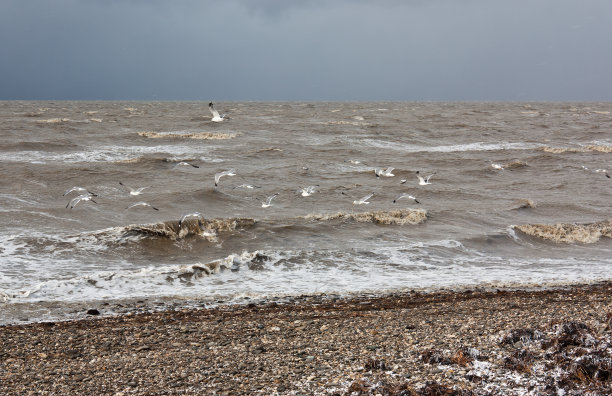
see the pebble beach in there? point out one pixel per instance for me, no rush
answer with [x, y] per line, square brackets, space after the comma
[473, 342]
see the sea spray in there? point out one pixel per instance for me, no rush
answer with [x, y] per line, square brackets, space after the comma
[187, 135]
[397, 217]
[568, 233]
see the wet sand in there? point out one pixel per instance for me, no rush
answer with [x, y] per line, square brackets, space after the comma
[442, 343]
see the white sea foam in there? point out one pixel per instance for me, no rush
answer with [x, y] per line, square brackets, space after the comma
[15, 198]
[476, 146]
[198, 135]
[280, 273]
[102, 154]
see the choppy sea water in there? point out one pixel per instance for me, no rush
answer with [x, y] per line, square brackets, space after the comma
[519, 196]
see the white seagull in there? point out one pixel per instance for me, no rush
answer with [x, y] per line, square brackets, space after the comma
[135, 191]
[216, 117]
[141, 203]
[183, 163]
[248, 186]
[307, 191]
[405, 195]
[79, 189]
[229, 172]
[497, 166]
[195, 214]
[84, 197]
[384, 172]
[268, 201]
[424, 181]
[363, 200]
[605, 172]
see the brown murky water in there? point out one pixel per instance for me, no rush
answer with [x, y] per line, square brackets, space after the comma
[518, 196]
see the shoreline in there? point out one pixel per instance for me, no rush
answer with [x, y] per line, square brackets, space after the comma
[24, 313]
[521, 341]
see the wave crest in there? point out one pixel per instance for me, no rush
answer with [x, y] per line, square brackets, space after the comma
[353, 123]
[515, 164]
[524, 203]
[591, 147]
[54, 121]
[254, 260]
[568, 233]
[207, 228]
[398, 217]
[187, 135]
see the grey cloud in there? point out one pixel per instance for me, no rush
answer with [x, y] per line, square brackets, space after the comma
[311, 50]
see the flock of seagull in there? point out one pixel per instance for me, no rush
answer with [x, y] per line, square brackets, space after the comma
[86, 195]
[89, 196]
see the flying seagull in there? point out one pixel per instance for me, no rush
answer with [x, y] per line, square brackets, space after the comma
[605, 172]
[84, 197]
[307, 191]
[363, 200]
[183, 163]
[405, 195]
[249, 186]
[134, 191]
[79, 189]
[384, 172]
[141, 204]
[268, 202]
[195, 214]
[424, 181]
[229, 172]
[216, 117]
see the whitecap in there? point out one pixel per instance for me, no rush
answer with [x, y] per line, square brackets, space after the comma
[476, 146]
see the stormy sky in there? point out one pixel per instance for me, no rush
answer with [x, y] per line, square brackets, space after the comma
[311, 50]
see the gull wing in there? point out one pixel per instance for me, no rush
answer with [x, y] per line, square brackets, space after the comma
[141, 189]
[196, 214]
[214, 112]
[399, 196]
[366, 197]
[270, 198]
[75, 188]
[141, 203]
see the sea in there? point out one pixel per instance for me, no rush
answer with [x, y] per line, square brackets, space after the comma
[519, 196]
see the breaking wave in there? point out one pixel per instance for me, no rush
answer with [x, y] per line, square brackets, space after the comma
[187, 135]
[54, 121]
[477, 146]
[523, 203]
[207, 228]
[584, 149]
[67, 120]
[398, 217]
[515, 165]
[108, 153]
[568, 233]
[266, 150]
[353, 123]
[165, 280]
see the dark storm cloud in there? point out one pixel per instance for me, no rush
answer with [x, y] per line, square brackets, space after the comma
[307, 50]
